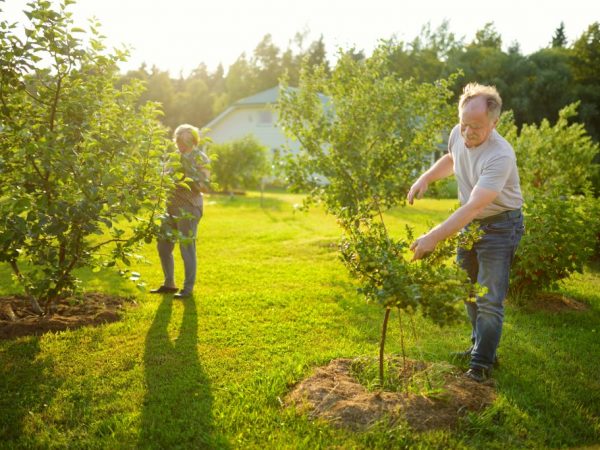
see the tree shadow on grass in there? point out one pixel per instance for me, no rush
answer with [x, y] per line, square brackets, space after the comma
[178, 405]
[26, 390]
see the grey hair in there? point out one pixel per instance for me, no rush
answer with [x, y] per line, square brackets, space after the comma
[189, 135]
[491, 95]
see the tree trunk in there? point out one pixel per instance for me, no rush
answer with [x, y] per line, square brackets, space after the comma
[382, 344]
[32, 300]
[35, 306]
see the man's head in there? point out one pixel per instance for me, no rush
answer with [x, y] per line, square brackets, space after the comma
[186, 137]
[479, 110]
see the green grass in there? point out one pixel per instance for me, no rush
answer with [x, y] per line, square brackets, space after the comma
[272, 303]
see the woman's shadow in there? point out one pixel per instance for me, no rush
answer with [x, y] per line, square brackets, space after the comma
[177, 407]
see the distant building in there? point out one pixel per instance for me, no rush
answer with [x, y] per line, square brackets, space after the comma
[252, 115]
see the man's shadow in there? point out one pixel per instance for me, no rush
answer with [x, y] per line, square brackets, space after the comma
[177, 407]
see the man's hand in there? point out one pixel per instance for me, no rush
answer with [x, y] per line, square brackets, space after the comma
[423, 246]
[418, 188]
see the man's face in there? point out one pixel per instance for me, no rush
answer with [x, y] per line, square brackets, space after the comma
[475, 125]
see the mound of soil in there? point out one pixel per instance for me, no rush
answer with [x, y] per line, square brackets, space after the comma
[333, 394]
[18, 319]
[554, 302]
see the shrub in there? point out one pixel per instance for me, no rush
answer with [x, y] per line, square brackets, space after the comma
[562, 221]
[79, 161]
[561, 234]
[239, 164]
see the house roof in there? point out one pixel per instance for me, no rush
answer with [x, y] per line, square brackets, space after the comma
[267, 97]
[264, 97]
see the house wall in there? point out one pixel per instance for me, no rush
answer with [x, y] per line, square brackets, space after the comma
[261, 121]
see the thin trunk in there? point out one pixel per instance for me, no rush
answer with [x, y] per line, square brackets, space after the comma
[382, 344]
[32, 300]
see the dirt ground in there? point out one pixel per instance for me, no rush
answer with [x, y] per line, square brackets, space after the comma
[555, 303]
[18, 319]
[333, 394]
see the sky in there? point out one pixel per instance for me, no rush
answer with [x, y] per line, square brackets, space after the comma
[178, 35]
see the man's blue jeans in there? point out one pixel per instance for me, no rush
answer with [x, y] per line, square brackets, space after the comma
[488, 263]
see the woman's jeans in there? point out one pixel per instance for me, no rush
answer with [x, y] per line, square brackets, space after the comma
[179, 225]
[488, 263]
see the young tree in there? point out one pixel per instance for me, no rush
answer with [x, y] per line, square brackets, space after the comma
[365, 133]
[79, 161]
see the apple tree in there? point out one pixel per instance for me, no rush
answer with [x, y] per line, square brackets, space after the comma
[79, 161]
[366, 134]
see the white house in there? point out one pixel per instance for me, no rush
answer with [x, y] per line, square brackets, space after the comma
[252, 115]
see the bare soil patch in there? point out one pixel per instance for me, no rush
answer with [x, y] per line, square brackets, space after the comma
[18, 319]
[333, 394]
[556, 303]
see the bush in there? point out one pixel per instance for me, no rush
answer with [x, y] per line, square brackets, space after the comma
[78, 159]
[561, 215]
[560, 237]
[239, 164]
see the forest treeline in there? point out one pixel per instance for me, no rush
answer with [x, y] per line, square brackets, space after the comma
[534, 86]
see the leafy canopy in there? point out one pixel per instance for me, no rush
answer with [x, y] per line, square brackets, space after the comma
[79, 161]
[365, 135]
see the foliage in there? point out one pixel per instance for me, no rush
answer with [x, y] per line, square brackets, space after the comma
[559, 39]
[239, 164]
[553, 157]
[562, 220]
[585, 67]
[378, 263]
[561, 233]
[534, 86]
[78, 159]
[365, 133]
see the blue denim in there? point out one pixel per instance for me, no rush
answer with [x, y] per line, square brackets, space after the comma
[188, 227]
[488, 263]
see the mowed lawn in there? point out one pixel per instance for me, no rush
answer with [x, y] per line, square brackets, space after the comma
[272, 303]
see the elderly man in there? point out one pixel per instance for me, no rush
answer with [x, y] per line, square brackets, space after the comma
[485, 167]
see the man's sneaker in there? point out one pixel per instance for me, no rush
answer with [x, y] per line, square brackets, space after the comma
[478, 374]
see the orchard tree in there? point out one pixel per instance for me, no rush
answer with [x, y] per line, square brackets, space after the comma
[79, 161]
[365, 134]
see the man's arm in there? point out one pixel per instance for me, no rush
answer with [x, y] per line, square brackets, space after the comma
[479, 199]
[443, 167]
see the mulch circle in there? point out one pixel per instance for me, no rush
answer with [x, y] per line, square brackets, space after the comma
[333, 394]
[555, 303]
[18, 319]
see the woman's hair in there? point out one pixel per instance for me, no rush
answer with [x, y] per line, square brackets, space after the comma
[491, 95]
[187, 134]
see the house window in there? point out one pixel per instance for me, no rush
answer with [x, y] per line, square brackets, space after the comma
[265, 117]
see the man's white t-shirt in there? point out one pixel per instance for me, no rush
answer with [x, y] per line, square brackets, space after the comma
[491, 165]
